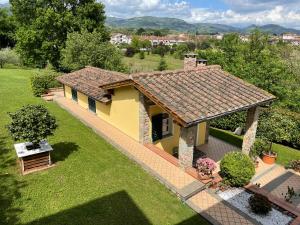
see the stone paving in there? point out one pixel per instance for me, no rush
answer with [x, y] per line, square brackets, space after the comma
[276, 181]
[173, 177]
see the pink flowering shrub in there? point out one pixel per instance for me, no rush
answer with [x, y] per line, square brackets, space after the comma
[206, 166]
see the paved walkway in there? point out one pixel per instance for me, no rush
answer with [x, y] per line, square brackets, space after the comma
[216, 211]
[276, 179]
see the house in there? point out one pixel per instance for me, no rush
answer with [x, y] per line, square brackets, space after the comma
[169, 40]
[117, 39]
[170, 110]
[291, 38]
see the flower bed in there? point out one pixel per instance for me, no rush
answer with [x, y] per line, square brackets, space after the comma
[238, 197]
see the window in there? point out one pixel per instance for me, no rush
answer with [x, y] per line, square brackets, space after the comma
[161, 126]
[74, 95]
[92, 105]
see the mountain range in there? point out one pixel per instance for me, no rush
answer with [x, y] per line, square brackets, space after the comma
[183, 26]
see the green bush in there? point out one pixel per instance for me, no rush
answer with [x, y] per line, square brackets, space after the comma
[42, 81]
[260, 204]
[230, 122]
[237, 169]
[31, 123]
[259, 147]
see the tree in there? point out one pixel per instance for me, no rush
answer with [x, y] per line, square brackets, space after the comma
[129, 51]
[140, 31]
[7, 29]
[180, 50]
[162, 65]
[87, 48]
[43, 25]
[31, 123]
[142, 54]
[136, 44]
[8, 56]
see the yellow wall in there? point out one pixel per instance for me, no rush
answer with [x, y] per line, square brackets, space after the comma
[123, 111]
[201, 133]
[82, 100]
[167, 143]
[171, 142]
[68, 92]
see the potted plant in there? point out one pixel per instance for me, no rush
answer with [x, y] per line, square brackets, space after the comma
[31, 123]
[205, 168]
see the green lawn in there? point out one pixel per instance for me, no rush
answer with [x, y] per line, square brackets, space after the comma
[150, 63]
[285, 153]
[92, 182]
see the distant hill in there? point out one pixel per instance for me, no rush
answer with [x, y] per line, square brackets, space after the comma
[183, 26]
[4, 5]
[272, 29]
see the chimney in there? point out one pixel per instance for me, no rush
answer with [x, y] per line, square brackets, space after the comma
[191, 62]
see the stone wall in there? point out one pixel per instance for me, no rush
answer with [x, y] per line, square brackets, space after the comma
[144, 120]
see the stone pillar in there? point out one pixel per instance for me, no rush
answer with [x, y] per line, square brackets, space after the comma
[144, 121]
[251, 127]
[187, 141]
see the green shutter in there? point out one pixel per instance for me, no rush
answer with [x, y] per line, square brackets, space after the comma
[157, 127]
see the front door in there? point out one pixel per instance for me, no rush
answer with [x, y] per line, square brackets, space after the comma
[74, 95]
[92, 105]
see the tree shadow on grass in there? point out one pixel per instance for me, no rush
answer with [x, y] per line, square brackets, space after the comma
[115, 209]
[10, 187]
[62, 150]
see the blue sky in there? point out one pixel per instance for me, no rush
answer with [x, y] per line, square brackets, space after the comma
[231, 12]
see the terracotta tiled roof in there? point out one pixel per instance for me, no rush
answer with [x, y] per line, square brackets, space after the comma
[89, 80]
[198, 95]
[192, 96]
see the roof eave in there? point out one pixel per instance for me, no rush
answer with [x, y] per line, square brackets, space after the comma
[262, 103]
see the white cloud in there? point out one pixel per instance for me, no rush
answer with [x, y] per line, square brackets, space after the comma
[241, 12]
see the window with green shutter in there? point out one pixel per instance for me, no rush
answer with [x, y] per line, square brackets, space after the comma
[161, 126]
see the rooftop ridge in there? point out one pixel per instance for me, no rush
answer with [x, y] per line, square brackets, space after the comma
[157, 73]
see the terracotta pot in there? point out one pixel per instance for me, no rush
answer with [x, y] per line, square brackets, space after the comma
[269, 158]
[204, 177]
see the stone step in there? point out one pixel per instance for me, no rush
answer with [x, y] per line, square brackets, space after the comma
[192, 189]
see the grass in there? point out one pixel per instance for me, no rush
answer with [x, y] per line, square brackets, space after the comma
[285, 153]
[92, 182]
[150, 63]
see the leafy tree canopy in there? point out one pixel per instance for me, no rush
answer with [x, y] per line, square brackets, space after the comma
[31, 123]
[43, 25]
[7, 29]
[86, 48]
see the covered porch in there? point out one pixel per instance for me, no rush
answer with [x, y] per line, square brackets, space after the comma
[214, 148]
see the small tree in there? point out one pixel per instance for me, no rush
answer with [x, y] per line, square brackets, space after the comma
[142, 54]
[162, 65]
[31, 123]
[8, 56]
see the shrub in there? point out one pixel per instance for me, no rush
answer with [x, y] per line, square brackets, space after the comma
[230, 122]
[162, 65]
[259, 147]
[142, 54]
[237, 169]
[295, 165]
[8, 56]
[260, 204]
[42, 81]
[129, 52]
[31, 123]
[206, 166]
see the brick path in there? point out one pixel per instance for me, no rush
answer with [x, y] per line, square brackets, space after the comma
[173, 177]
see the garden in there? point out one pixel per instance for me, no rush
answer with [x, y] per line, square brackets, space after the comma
[86, 186]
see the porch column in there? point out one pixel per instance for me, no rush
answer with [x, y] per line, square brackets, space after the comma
[251, 127]
[187, 141]
[144, 121]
